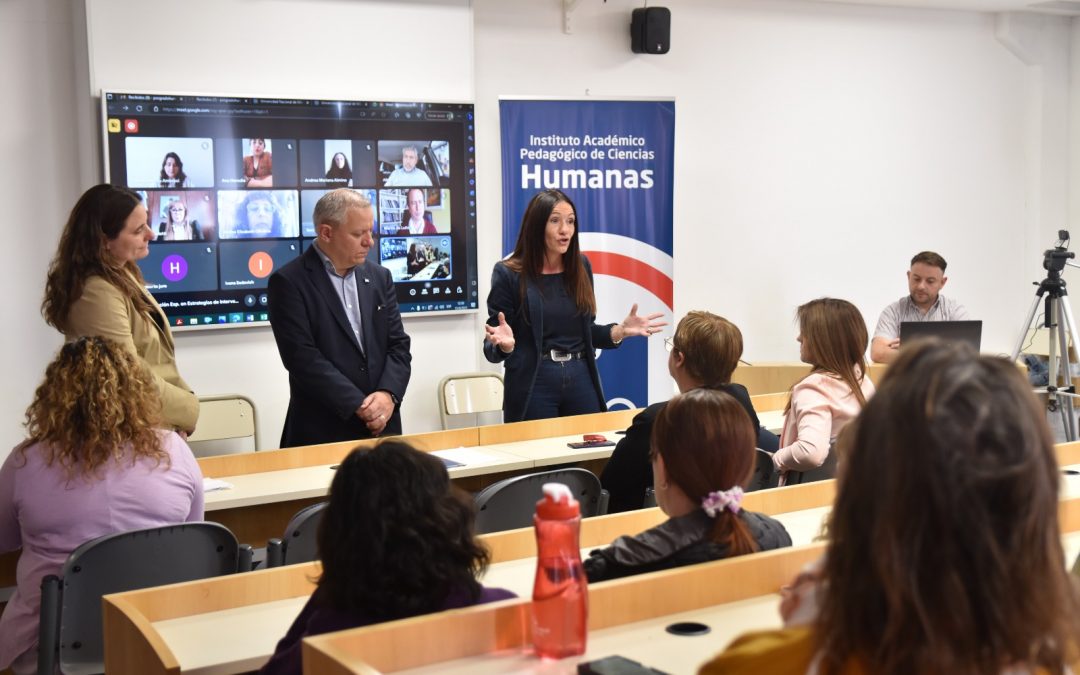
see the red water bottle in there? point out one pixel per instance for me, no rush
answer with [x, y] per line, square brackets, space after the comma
[560, 595]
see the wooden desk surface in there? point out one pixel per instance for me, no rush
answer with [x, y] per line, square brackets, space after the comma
[648, 643]
[180, 618]
[184, 618]
[773, 420]
[554, 450]
[766, 377]
[627, 617]
[197, 639]
[265, 487]
[269, 487]
[644, 641]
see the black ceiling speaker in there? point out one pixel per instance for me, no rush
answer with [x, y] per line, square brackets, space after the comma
[650, 30]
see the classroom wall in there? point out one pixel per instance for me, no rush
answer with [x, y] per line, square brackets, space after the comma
[1074, 124]
[39, 180]
[818, 146]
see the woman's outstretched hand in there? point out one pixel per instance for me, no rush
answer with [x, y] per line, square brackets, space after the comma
[637, 325]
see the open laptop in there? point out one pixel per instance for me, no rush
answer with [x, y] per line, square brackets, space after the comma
[968, 332]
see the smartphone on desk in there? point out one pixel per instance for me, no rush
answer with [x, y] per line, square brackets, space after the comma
[591, 441]
[589, 444]
[616, 665]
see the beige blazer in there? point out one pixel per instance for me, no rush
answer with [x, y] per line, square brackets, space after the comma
[103, 310]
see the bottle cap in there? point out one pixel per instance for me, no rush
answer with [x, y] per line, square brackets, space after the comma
[558, 503]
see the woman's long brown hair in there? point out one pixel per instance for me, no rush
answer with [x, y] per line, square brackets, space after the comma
[98, 217]
[945, 552]
[835, 337]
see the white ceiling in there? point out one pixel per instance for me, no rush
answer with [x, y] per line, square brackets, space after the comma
[1057, 7]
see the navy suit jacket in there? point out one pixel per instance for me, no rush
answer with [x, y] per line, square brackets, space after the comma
[527, 322]
[329, 376]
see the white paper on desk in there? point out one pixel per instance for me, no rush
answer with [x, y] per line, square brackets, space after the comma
[212, 484]
[466, 456]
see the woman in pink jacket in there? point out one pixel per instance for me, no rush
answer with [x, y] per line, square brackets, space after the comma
[833, 340]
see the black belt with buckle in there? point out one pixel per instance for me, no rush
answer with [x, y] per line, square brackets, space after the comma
[560, 357]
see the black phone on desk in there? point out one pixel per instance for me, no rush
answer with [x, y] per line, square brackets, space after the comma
[616, 665]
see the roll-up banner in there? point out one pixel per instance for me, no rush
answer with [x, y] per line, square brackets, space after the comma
[615, 160]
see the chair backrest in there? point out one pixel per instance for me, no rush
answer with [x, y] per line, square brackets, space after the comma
[765, 475]
[124, 562]
[511, 503]
[469, 393]
[227, 425]
[299, 543]
[824, 472]
[650, 498]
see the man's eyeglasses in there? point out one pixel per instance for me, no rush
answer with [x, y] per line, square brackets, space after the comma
[669, 343]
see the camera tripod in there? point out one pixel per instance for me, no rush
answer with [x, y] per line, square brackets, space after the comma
[1058, 318]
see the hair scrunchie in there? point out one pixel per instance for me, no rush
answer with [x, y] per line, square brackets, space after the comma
[715, 502]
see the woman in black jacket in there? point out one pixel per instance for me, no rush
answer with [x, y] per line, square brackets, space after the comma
[703, 353]
[703, 453]
[542, 318]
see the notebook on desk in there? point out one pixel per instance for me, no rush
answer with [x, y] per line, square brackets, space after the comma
[967, 332]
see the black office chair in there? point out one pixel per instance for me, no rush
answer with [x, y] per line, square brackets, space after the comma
[824, 472]
[767, 440]
[511, 503]
[765, 475]
[650, 498]
[299, 543]
[70, 632]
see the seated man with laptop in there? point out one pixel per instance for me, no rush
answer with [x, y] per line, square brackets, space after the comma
[924, 303]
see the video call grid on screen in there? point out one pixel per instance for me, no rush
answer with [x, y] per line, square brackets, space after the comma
[230, 184]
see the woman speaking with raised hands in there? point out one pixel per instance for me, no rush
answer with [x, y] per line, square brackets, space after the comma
[542, 318]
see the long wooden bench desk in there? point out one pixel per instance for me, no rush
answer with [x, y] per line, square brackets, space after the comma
[270, 486]
[764, 377]
[230, 624]
[627, 617]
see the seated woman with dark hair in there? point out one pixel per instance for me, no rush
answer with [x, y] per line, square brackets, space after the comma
[396, 541]
[95, 462]
[945, 552]
[703, 353]
[702, 455]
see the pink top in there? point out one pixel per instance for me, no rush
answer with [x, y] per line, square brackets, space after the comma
[50, 517]
[821, 405]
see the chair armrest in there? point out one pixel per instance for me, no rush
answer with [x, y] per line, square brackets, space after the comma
[275, 553]
[244, 558]
[49, 627]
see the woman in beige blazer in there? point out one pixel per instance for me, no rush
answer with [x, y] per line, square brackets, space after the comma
[94, 287]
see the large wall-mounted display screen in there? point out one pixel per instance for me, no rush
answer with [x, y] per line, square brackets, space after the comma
[230, 183]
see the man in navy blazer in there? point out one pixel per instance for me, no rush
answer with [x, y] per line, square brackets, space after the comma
[338, 329]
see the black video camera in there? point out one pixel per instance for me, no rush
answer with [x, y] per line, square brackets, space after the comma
[1054, 259]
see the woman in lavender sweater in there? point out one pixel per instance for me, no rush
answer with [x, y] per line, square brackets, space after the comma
[95, 462]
